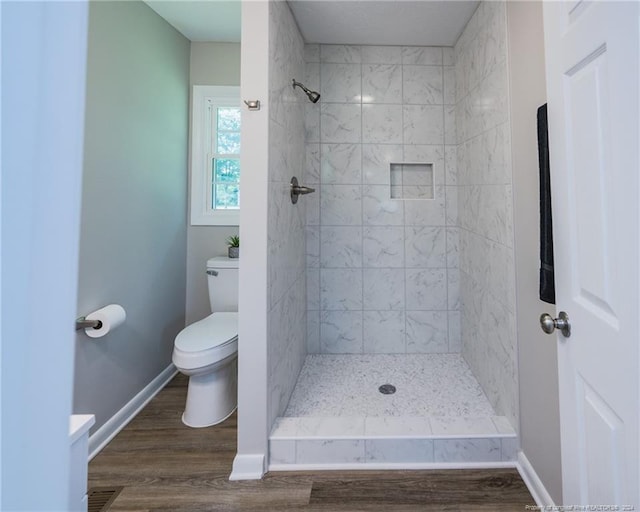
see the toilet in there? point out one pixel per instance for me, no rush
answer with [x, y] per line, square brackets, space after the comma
[207, 351]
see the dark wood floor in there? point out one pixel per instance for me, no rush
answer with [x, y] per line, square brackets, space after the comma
[165, 466]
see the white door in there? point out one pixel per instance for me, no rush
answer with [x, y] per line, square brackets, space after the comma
[592, 87]
[44, 46]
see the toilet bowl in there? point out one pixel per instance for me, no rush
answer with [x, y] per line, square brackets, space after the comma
[207, 351]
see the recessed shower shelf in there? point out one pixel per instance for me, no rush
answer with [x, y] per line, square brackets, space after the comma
[411, 180]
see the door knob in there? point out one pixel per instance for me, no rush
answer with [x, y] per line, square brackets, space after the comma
[550, 324]
[298, 190]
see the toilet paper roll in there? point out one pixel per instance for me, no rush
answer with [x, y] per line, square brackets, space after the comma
[111, 317]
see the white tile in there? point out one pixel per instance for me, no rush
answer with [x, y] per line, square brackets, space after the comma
[312, 164]
[382, 124]
[422, 55]
[503, 425]
[455, 336]
[383, 288]
[329, 452]
[340, 83]
[340, 246]
[340, 123]
[322, 427]
[383, 332]
[383, 247]
[378, 209]
[453, 245]
[311, 123]
[340, 53]
[448, 56]
[381, 83]
[313, 288]
[381, 54]
[451, 208]
[312, 53]
[509, 449]
[449, 79]
[397, 427]
[467, 450]
[427, 154]
[422, 85]
[376, 159]
[427, 332]
[340, 289]
[312, 76]
[282, 451]
[312, 244]
[462, 426]
[453, 289]
[425, 213]
[340, 205]
[284, 427]
[399, 450]
[450, 136]
[426, 289]
[312, 207]
[423, 124]
[341, 332]
[313, 332]
[425, 247]
[341, 163]
[451, 165]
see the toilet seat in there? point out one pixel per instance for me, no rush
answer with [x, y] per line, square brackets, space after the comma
[206, 342]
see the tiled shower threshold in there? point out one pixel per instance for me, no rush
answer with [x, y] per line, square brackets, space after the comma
[438, 416]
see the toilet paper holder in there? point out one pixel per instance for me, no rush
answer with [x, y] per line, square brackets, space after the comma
[83, 323]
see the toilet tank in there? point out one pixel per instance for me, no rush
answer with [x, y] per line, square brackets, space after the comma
[223, 288]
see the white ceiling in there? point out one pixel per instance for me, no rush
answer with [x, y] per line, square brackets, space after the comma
[382, 22]
[376, 22]
[207, 20]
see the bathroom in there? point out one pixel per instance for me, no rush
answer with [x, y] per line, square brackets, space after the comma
[411, 266]
[354, 273]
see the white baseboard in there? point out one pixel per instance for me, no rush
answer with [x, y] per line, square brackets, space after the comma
[378, 466]
[533, 482]
[119, 420]
[248, 467]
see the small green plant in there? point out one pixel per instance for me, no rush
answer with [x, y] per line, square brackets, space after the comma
[233, 241]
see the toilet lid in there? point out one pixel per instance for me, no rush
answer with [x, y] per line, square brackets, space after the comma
[213, 331]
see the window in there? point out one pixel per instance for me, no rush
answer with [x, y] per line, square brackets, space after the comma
[215, 156]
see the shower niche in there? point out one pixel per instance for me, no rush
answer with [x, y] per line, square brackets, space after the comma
[411, 181]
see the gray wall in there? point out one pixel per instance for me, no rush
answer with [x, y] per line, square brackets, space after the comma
[211, 64]
[382, 273]
[133, 234]
[538, 365]
[286, 318]
[487, 270]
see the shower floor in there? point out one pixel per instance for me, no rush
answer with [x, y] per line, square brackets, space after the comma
[438, 417]
[426, 385]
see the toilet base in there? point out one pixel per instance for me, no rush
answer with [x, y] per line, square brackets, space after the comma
[212, 397]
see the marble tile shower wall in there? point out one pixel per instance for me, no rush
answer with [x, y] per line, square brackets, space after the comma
[382, 273]
[286, 319]
[487, 271]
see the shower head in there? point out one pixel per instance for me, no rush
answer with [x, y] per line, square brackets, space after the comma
[312, 95]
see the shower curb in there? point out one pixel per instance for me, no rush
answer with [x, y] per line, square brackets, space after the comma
[401, 443]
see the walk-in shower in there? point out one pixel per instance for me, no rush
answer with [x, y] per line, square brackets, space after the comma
[407, 278]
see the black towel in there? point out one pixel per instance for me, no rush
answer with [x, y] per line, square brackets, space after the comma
[547, 286]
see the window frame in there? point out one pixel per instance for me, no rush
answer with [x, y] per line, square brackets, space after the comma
[206, 98]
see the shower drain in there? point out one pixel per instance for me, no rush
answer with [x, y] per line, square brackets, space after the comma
[387, 389]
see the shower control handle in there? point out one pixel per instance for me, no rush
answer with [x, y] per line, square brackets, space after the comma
[298, 190]
[550, 324]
